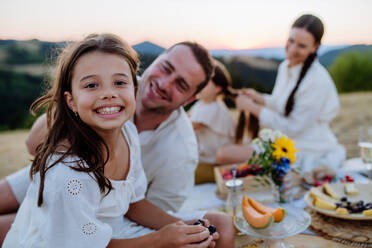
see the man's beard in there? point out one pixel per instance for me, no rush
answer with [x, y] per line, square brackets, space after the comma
[158, 110]
[150, 109]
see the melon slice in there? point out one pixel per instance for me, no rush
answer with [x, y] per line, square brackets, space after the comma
[278, 213]
[254, 218]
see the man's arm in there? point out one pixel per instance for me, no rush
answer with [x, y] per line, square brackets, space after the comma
[8, 208]
[8, 202]
[37, 133]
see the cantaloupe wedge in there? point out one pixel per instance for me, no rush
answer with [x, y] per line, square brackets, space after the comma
[278, 213]
[254, 218]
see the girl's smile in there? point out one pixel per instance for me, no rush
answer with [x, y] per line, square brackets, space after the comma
[109, 111]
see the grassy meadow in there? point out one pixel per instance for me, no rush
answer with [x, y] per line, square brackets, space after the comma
[356, 110]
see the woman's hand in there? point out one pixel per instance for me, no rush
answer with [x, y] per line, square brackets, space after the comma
[181, 235]
[244, 103]
[254, 95]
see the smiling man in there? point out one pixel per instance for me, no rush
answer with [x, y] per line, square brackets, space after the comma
[168, 145]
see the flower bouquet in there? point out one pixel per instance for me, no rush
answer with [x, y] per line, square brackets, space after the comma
[273, 155]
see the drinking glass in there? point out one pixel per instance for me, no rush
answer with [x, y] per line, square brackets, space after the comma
[365, 145]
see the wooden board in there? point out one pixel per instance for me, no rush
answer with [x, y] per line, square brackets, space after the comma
[249, 182]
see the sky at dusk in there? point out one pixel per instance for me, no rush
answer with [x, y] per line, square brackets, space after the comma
[217, 24]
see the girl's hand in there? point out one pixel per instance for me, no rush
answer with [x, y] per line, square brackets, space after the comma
[206, 223]
[181, 235]
[254, 95]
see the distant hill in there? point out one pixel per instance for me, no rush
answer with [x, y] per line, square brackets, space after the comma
[7, 42]
[14, 52]
[148, 48]
[267, 53]
[272, 52]
[252, 72]
[329, 57]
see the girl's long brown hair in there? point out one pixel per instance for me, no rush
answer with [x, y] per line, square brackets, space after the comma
[252, 127]
[63, 125]
[222, 78]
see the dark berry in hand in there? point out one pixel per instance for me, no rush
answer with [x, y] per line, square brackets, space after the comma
[212, 229]
[198, 223]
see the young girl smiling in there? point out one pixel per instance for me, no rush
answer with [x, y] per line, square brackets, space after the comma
[88, 170]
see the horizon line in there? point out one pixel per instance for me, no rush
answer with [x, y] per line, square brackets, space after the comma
[222, 48]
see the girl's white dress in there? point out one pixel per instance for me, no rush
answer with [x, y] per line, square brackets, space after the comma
[316, 104]
[219, 130]
[74, 212]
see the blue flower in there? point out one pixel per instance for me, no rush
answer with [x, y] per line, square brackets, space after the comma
[283, 167]
[284, 160]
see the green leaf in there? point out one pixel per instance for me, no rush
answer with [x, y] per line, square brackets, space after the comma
[257, 179]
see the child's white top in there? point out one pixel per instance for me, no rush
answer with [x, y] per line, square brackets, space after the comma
[219, 130]
[74, 212]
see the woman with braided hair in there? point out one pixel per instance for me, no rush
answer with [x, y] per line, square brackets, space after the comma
[303, 102]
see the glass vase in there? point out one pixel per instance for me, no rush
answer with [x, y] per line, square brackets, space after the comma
[282, 192]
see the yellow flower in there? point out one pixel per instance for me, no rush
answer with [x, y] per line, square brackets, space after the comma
[284, 147]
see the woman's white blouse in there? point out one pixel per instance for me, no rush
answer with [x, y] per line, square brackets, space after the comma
[316, 104]
[219, 130]
[74, 212]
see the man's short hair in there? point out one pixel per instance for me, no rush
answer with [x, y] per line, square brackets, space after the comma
[203, 57]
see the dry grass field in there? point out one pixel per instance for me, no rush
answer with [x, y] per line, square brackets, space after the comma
[356, 110]
[13, 151]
